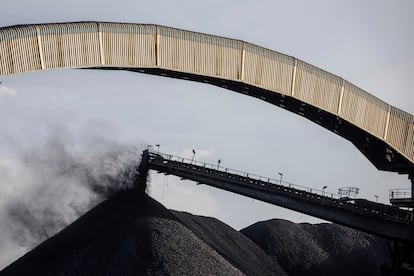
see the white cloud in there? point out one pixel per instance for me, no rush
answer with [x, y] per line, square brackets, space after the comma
[7, 91]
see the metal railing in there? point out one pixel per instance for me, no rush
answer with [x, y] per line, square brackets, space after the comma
[400, 194]
[220, 168]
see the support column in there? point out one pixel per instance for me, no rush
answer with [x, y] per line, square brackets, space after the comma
[157, 46]
[411, 177]
[341, 97]
[101, 51]
[387, 123]
[141, 175]
[39, 43]
[292, 90]
[243, 57]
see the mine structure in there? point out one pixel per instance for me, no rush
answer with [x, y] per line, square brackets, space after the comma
[391, 222]
[376, 218]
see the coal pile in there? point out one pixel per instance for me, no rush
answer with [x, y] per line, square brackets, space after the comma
[232, 245]
[131, 234]
[320, 249]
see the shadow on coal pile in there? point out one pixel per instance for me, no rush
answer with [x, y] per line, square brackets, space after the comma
[132, 234]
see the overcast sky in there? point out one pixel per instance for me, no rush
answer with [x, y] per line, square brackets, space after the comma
[369, 43]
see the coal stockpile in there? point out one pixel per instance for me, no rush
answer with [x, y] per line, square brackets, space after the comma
[232, 245]
[131, 234]
[320, 249]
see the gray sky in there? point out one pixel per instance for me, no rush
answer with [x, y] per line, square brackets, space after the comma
[369, 43]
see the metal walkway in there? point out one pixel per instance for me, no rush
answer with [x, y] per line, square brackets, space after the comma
[376, 218]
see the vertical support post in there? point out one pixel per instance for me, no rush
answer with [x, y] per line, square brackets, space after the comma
[157, 47]
[141, 176]
[39, 43]
[242, 61]
[387, 123]
[341, 97]
[411, 177]
[101, 44]
[292, 91]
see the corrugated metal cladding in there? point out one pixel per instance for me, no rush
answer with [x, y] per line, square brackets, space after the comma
[317, 87]
[200, 54]
[268, 69]
[401, 131]
[89, 44]
[129, 45]
[364, 110]
[70, 45]
[19, 51]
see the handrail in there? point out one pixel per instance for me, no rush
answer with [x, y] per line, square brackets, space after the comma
[400, 194]
[245, 174]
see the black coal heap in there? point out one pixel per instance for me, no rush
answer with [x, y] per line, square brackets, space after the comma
[132, 234]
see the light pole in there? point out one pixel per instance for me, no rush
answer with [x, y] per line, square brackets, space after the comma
[218, 164]
[192, 159]
[281, 176]
[158, 146]
[323, 189]
[376, 198]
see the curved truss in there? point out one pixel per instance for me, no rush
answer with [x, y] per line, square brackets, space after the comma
[383, 133]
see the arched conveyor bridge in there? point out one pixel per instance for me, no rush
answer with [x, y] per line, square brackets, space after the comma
[376, 218]
[383, 133]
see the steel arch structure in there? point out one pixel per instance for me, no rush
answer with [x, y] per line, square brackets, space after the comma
[383, 133]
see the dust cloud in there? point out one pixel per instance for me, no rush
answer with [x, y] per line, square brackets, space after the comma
[47, 187]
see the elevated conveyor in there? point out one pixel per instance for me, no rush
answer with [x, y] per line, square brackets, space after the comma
[383, 133]
[376, 218]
